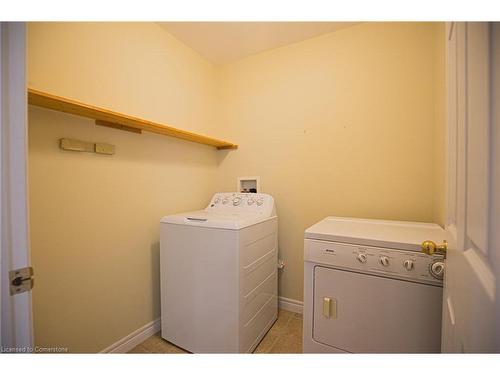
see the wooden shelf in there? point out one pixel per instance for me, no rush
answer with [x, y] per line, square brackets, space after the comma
[105, 117]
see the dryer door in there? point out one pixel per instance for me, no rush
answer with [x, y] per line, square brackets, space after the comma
[362, 313]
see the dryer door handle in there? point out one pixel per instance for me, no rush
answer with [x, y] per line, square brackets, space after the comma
[329, 308]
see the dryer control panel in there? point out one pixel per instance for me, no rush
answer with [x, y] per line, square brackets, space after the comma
[260, 204]
[399, 264]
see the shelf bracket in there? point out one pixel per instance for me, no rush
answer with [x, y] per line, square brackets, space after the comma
[118, 126]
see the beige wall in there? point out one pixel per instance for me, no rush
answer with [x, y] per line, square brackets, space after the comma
[350, 123]
[135, 68]
[440, 169]
[94, 218]
[343, 124]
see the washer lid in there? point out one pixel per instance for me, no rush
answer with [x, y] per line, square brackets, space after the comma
[210, 219]
[404, 235]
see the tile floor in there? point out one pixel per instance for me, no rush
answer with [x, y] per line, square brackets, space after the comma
[285, 336]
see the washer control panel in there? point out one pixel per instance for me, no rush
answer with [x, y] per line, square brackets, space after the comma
[400, 264]
[242, 203]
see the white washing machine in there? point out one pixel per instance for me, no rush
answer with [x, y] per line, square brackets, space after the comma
[368, 288]
[219, 283]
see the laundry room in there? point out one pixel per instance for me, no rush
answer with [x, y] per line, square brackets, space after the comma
[205, 187]
[294, 112]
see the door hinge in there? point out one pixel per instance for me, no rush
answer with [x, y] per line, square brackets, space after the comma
[21, 280]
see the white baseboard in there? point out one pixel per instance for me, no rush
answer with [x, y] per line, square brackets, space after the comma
[289, 304]
[135, 338]
[139, 335]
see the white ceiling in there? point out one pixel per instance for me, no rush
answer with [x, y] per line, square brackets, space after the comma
[224, 42]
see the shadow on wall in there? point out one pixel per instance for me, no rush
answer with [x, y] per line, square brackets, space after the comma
[155, 277]
[222, 155]
[129, 146]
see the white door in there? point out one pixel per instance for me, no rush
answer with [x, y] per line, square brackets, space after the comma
[470, 297]
[16, 321]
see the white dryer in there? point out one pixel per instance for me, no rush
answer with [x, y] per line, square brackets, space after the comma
[368, 288]
[219, 279]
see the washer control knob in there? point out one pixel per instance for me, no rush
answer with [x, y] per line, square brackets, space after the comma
[236, 201]
[384, 261]
[362, 258]
[225, 200]
[216, 200]
[260, 201]
[408, 264]
[437, 269]
[250, 201]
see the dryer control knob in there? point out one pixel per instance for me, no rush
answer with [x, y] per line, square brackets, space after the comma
[362, 258]
[384, 261]
[260, 201]
[236, 201]
[408, 264]
[250, 201]
[437, 270]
